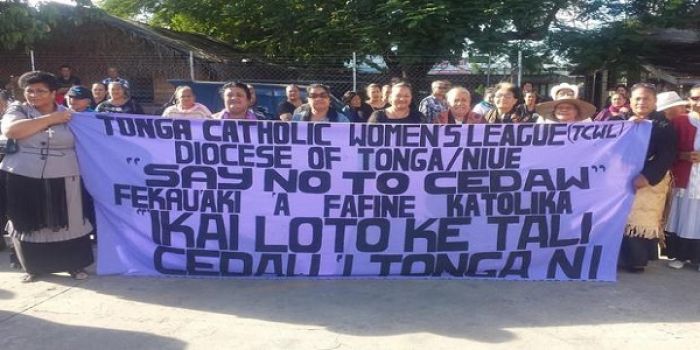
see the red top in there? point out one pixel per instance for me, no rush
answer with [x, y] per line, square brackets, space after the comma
[686, 143]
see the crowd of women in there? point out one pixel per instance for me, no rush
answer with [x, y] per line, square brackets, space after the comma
[49, 216]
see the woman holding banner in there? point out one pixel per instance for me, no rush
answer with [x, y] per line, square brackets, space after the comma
[459, 102]
[505, 98]
[237, 99]
[319, 107]
[644, 224]
[44, 201]
[399, 111]
[570, 110]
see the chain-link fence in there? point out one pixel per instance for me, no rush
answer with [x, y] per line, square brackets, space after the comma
[151, 75]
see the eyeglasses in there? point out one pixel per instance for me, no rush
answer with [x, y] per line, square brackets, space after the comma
[321, 95]
[36, 92]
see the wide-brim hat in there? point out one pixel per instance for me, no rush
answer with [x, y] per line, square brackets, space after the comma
[563, 86]
[585, 109]
[668, 99]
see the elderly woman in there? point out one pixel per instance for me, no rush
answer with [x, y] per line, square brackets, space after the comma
[683, 226]
[618, 109]
[44, 200]
[319, 107]
[237, 99]
[459, 101]
[119, 100]
[644, 224]
[186, 105]
[505, 100]
[400, 110]
[564, 90]
[569, 110]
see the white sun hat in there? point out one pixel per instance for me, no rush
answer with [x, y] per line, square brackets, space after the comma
[563, 86]
[668, 99]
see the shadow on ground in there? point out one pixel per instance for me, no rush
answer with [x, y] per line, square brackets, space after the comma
[477, 310]
[483, 311]
[13, 334]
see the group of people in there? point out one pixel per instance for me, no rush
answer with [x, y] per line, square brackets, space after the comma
[49, 221]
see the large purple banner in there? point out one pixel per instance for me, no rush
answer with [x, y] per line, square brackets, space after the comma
[271, 199]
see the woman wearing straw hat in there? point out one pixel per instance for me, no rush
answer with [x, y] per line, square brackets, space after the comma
[645, 222]
[568, 110]
[564, 90]
[683, 226]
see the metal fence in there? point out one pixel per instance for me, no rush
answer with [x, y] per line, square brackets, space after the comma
[149, 74]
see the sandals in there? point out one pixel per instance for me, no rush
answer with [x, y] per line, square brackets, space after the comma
[29, 278]
[79, 275]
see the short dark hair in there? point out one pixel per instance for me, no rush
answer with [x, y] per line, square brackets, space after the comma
[318, 86]
[123, 86]
[236, 84]
[402, 84]
[348, 96]
[65, 66]
[646, 86]
[99, 82]
[38, 77]
[624, 86]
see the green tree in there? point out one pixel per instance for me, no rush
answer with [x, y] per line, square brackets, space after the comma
[22, 25]
[411, 35]
[622, 37]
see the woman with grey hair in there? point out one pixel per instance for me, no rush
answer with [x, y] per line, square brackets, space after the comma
[186, 105]
[459, 108]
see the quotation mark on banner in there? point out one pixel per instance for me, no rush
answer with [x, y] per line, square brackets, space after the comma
[142, 211]
[136, 160]
[599, 167]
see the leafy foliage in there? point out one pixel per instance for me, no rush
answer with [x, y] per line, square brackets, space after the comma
[22, 25]
[412, 35]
